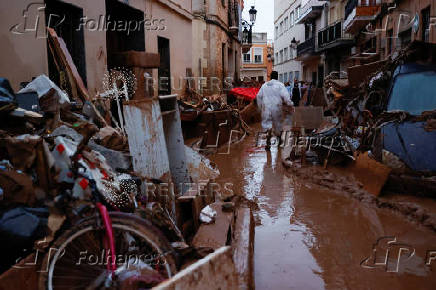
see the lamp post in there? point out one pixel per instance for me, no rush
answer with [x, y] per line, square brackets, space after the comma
[248, 26]
[253, 13]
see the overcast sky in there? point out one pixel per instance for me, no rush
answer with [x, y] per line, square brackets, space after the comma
[265, 15]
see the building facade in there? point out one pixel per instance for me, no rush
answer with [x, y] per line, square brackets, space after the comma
[326, 46]
[217, 37]
[193, 37]
[255, 61]
[287, 33]
[340, 34]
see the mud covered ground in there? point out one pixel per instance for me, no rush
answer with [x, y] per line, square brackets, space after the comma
[318, 229]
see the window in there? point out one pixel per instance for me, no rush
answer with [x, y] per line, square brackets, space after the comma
[297, 75]
[281, 56]
[258, 55]
[297, 12]
[281, 78]
[285, 53]
[285, 77]
[291, 52]
[413, 93]
[286, 23]
[247, 57]
[276, 58]
[291, 77]
[277, 32]
[291, 23]
[281, 28]
[332, 15]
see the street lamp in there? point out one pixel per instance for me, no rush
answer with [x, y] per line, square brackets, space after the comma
[248, 26]
[252, 13]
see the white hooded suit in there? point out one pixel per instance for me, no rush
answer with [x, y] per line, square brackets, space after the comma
[270, 99]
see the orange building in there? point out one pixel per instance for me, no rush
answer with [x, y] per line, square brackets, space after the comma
[255, 62]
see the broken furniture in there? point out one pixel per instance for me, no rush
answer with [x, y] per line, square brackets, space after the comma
[141, 64]
[145, 132]
[304, 118]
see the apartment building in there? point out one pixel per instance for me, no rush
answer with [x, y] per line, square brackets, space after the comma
[339, 34]
[255, 61]
[287, 33]
[326, 46]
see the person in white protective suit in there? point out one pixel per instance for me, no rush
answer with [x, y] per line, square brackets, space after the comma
[270, 99]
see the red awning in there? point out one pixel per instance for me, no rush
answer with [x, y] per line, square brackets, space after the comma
[246, 93]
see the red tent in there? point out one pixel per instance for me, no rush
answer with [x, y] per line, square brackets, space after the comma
[246, 93]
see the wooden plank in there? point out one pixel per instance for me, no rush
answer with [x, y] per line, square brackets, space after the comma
[243, 247]
[372, 174]
[214, 235]
[60, 50]
[215, 271]
[307, 117]
[136, 59]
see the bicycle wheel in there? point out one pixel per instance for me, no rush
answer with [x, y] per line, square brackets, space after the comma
[144, 257]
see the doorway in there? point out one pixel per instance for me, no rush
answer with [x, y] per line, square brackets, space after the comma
[320, 76]
[164, 71]
[65, 18]
[119, 40]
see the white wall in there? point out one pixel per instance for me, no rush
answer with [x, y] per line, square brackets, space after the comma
[283, 9]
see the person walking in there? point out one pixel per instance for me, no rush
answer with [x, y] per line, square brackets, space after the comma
[296, 95]
[270, 99]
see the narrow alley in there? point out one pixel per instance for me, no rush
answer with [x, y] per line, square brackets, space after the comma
[307, 237]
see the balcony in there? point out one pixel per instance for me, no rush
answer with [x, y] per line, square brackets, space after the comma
[310, 11]
[247, 40]
[306, 49]
[333, 36]
[358, 13]
[233, 17]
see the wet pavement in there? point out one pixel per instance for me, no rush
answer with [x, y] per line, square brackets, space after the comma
[308, 237]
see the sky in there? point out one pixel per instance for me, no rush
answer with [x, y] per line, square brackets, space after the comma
[265, 15]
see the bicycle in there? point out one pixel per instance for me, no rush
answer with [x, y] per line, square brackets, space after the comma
[108, 249]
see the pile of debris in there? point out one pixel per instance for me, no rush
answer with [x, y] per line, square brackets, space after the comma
[53, 154]
[60, 157]
[367, 123]
[217, 121]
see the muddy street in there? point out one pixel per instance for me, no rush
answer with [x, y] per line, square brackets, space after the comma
[309, 237]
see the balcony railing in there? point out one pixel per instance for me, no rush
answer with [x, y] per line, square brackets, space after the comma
[332, 34]
[247, 41]
[353, 4]
[233, 14]
[306, 47]
[247, 38]
[311, 10]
